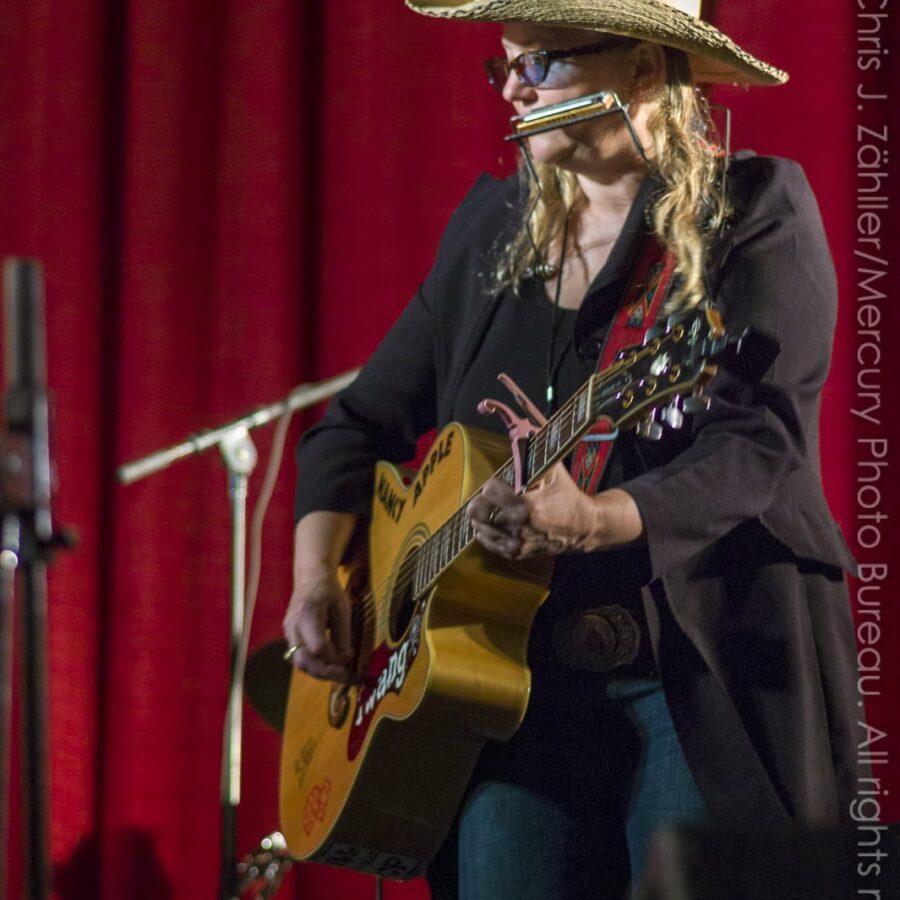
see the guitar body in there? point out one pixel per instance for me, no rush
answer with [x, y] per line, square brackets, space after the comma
[372, 774]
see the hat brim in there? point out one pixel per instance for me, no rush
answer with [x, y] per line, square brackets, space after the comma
[714, 57]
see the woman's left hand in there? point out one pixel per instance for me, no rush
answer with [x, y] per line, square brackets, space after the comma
[554, 516]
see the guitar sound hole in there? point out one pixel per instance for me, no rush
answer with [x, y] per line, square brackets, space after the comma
[402, 600]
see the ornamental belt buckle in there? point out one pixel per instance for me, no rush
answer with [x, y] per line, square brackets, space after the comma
[597, 640]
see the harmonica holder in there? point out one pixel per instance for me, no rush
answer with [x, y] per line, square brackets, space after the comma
[561, 115]
[572, 112]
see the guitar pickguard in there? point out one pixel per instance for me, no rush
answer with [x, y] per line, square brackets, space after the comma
[386, 672]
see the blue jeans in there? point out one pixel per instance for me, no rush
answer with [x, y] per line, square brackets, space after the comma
[567, 808]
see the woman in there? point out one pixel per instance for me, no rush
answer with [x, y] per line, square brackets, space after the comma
[711, 552]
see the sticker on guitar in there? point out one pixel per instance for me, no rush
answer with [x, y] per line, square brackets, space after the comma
[316, 804]
[387, 671]
[301, 762]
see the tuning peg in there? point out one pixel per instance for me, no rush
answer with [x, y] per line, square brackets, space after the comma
[696, 403]
[653, 431]
[672, 415]
[649, 428]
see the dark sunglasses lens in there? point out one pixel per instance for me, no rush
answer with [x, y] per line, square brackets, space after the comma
[531, 68]
[497, 70]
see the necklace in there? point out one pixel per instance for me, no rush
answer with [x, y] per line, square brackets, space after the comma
[556, 319]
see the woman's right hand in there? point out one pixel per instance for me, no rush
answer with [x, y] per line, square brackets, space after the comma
[317, 622]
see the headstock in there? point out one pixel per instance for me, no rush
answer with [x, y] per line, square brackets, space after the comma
[658, 382]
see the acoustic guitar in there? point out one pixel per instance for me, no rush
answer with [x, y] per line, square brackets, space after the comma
[372, 774]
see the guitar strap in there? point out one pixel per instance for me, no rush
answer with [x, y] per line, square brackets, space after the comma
[650, 281]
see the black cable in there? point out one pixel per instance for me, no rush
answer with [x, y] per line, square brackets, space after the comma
[550, 393]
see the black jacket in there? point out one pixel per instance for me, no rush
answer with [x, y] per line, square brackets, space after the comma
[746, 600]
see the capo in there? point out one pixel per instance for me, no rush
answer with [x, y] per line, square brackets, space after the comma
[522, 401]
[520, 428]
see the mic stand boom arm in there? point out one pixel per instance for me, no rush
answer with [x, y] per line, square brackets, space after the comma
[239, 455]
[300, 397]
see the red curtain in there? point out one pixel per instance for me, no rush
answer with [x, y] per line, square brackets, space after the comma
[229, 199]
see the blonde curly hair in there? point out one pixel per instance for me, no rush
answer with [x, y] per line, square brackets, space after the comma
[685, 215]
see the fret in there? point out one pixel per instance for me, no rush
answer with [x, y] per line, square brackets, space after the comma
[425, 551]
[429, 556]
[432, 562]
[462, 527]
[417, 572]
[438, 550]
[422, 568]
[565, 427]
[451, 539]
[538, 457]
[450, 542]
[531, 458]
[581, 405]
[454, 535]
[436, 537]
[553, 439]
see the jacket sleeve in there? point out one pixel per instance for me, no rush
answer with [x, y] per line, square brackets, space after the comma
[776, 275]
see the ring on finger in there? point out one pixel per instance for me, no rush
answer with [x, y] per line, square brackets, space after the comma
[289, 653]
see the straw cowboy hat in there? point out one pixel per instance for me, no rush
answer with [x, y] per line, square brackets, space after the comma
[674, 23]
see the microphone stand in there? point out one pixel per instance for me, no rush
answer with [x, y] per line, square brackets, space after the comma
[27, 539]
[239, 456]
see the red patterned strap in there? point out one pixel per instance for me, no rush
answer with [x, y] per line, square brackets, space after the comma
[640, 306]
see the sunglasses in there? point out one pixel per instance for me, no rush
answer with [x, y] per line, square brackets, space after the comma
[533, 66]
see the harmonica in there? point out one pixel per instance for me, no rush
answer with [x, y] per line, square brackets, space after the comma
[559, 115]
